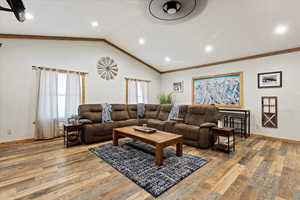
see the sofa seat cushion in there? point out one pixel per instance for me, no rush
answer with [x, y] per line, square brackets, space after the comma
[143, 121]
[158, 124]
[188, 131]
[100, 129]
[129, 122]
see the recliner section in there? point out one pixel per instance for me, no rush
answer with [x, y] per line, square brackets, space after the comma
[195, 127]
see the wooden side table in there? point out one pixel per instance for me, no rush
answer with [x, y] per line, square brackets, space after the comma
[72, 134]
[228, 143]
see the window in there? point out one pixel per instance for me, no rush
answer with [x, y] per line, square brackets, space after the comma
[69, 94]
[137, 91]
[59, 93]
[62, 90]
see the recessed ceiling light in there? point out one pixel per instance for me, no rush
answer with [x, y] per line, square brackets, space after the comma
[94, 24]
[208, 48]
[167, 59]
[280, 29]
[28, 16]
[142, 41]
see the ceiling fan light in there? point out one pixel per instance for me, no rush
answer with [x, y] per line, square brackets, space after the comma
[21, 16]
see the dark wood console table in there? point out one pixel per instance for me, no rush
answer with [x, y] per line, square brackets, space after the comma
[238, 119]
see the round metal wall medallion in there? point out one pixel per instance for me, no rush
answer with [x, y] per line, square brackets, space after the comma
[175, 10]
[107, 68]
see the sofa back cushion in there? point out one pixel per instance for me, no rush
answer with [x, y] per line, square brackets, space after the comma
[164, 112]
[183, 111]
[211, 114]
[91, 112]
[151, 111]
[119, 112]
[132, 111]
[198, 114]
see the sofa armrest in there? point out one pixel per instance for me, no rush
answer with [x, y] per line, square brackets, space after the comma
[208, 125]
[85, 121]
[206, 139]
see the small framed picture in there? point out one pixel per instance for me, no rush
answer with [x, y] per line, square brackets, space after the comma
[270, 80]
[178, 87]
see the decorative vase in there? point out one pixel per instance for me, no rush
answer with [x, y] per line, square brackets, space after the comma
[220, 124]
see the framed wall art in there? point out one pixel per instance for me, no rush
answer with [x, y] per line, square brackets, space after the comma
[270, 80]
[224, 90]
[178, 87]
[269, 112]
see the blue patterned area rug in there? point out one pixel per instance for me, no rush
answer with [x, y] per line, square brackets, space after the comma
[136, 160]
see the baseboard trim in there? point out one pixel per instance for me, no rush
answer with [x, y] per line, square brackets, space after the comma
[16, 142]
[275, 138]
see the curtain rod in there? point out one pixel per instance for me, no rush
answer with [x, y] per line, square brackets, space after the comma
[58, 70]
[134, 79]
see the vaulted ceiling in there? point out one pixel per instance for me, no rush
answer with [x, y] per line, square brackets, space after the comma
[234, 28]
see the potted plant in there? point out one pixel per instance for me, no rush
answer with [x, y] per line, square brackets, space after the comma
[166, 98]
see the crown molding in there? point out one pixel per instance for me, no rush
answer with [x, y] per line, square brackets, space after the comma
[273, 53]
[130, 55]
[43, 37]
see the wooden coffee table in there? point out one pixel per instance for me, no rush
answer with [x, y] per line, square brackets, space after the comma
[159, 140]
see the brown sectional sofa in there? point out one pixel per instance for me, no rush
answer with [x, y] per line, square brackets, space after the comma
[195, 127]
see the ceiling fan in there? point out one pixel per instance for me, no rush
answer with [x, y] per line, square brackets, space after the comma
[170, 11]
[17, 7]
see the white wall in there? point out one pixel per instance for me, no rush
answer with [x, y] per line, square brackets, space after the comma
[17, 78]
[17, 82]
[288, 95]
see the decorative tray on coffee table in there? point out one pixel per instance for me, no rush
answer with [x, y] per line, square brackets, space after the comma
[145, 129]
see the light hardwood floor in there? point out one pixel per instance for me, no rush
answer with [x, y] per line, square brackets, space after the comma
[259, 169]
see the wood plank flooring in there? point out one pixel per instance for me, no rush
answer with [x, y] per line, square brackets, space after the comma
[45, 170]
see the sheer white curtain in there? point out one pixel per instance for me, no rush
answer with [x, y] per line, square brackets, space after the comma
[73, 94]
[144, 91]
[138, 91]
[46, 123]
[132, 92]
[58, 98]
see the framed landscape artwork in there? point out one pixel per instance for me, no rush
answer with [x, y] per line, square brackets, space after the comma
[270, 80]
[224, 90]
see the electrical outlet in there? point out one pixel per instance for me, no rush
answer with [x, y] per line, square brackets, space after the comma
[9, 132]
